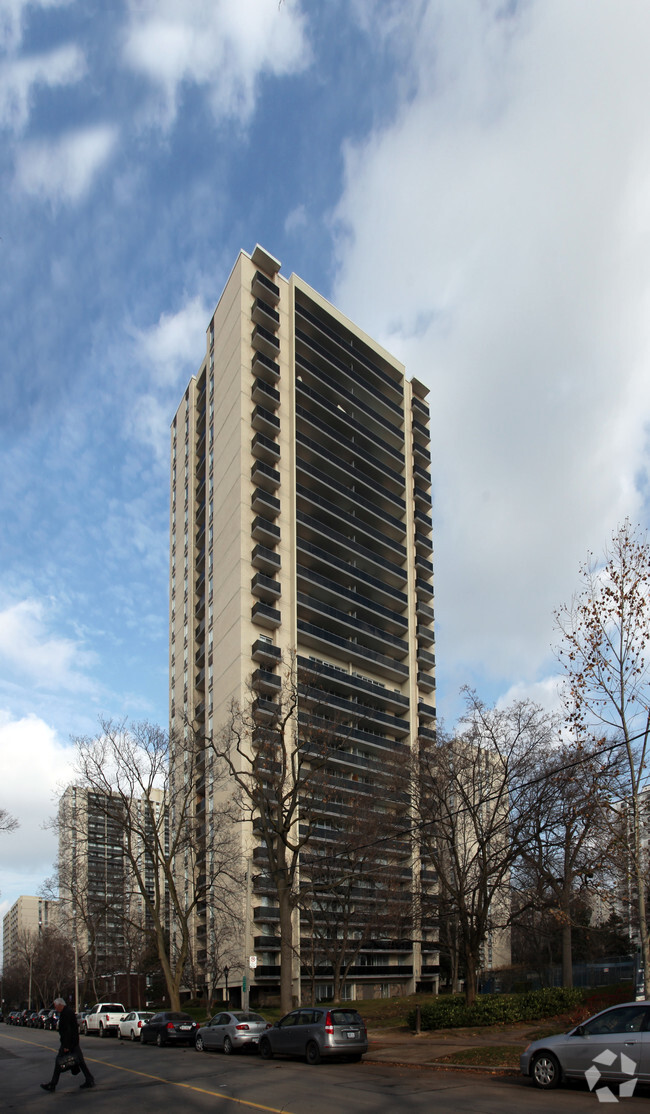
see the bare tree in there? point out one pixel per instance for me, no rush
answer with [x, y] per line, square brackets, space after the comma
[276, 759]
[8, 823]
[177, 863]
[565, 837]
[469, 800]
[352, 888]
[605, 635]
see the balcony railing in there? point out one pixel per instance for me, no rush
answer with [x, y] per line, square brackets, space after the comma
[262, 287]
[311, 634]
[264, 476]
[265, 616]
[265, 342]
[346, 474]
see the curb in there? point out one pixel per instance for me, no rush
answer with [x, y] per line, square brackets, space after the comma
[433, 1066]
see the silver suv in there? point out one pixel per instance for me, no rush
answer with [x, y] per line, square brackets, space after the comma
[316, 1032]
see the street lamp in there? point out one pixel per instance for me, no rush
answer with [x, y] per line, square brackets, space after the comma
[226, 972]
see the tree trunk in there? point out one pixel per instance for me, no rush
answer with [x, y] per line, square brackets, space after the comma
[286, 949]
[567, 955]
[470, 977]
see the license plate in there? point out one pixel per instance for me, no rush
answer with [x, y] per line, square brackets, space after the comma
[352, 1035]
[255, 1040]
[184, 1028]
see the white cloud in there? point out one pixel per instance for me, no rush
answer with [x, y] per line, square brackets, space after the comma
[504, 259]
[30, 651]
[63, 170]
[21, 77]
[222, 45]
[12, 17]
[175, 343]
[35, 765]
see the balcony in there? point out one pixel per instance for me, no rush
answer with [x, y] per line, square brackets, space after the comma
[333, 389]
[348, 522]
[425, 659]
[265, 368]
[351, 500]
[264, 421]
[262, 287]
[423, 521]
[265, 342]
[426, 682]
[423, 611]
[263, 314]
[425, 635]
[265, 559]
[324, 588]
[352, 709]
[312, 556]
[422, 474]
[263, 448]
[264, 476]
[332, 644]
[345, 473]
[263, 681]
[355, 452]
[332, 341]
[312, 529]
[426, 711]
[420, 408]
[265, 504]
[265, 616]
[265, 588]
[265, 395]
[340, 419]
[343, 681]
[310, 608]
[265, 710]
[423, 588]
[265, 532]
[265, 652]
[199, 680]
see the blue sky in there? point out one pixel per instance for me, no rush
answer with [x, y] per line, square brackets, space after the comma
[467, 180]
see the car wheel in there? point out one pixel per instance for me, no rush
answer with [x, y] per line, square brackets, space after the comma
[312, 1052]
[227, 1046]
[266, 1051]
[102, 1031]
[132, 1034]
[545, 1070]
[119, 1034]
[142, 1040]
[199, 1045]
[159, 1040]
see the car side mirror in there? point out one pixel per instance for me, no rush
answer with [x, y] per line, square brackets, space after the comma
[276, 1025]
[579, 1031]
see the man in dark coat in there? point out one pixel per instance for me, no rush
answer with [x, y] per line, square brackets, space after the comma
[69, 1038]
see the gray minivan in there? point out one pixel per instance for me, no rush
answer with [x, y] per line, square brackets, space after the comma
[316, 1032]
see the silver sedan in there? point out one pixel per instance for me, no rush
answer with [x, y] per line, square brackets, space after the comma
[612, 1046]
[231, 1031]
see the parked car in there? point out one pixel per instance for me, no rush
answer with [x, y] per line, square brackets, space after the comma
[316, 1033]
[169, 1028]
[12, 1018]
[26, 1017]
[103, 1018]
[131, 1024]
[231, 1032]
[612, 1045]
[39, 1020]
[52, 1020]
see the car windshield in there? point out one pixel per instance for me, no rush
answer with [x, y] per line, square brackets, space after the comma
[178, 1017]
[112, 1007]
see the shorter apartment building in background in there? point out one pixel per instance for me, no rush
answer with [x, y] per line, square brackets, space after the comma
[101, 908]
[27, 916]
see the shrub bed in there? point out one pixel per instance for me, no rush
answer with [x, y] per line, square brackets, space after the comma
[490, 1009]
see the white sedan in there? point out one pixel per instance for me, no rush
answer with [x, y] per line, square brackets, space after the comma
[131, 1024]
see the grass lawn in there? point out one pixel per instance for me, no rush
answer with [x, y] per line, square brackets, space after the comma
[493, 1056]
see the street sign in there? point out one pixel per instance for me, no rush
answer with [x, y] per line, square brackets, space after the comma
[252, 962]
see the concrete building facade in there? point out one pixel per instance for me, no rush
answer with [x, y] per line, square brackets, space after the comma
[301, 530]
[29, 915]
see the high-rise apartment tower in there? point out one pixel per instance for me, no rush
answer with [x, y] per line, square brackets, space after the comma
[301, 525]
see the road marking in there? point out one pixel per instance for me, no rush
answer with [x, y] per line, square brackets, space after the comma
[161, 1079]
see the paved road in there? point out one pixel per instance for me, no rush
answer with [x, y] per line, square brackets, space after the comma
[146, 1080]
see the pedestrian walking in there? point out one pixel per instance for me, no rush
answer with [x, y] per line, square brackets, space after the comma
[69, 1038]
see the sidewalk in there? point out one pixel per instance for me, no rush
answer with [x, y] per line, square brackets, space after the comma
[398, 1046]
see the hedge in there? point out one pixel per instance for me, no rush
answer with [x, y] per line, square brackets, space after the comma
[489, 1009]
